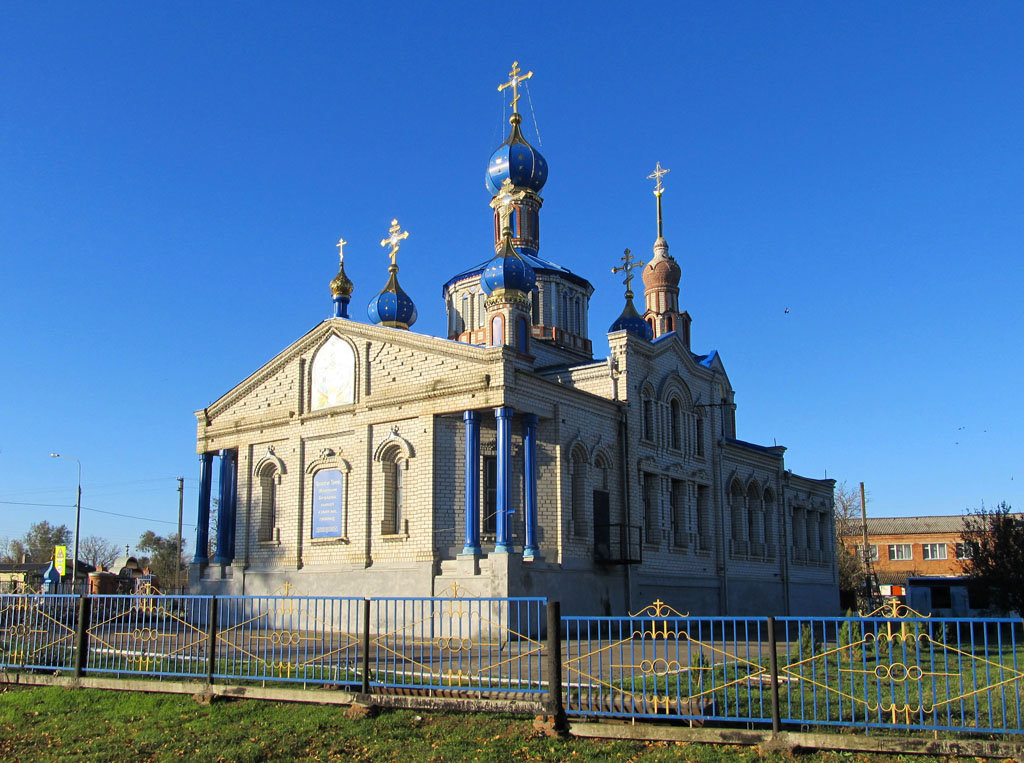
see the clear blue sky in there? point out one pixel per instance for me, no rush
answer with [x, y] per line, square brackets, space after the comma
[173, 178]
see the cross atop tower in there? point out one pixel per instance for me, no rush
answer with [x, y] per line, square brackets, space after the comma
[627, 266]
[513, 83]
[341, 249]
[397, 234]
[659, 172]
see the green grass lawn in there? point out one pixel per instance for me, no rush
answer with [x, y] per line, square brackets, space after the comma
[52, 723]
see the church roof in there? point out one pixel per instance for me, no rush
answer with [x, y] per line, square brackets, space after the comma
[538, 264]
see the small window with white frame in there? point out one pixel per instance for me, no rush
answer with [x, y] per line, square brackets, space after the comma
[933, 551]
[872, 550]
[900, 552]
[963, 551]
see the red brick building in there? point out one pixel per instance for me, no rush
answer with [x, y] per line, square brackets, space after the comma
[905, 546]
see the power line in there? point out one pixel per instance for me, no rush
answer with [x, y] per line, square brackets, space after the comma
[86, 508]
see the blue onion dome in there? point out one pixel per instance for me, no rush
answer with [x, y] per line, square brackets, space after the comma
[631, 321]
[507, 272]
[517, 160]
[392, 307]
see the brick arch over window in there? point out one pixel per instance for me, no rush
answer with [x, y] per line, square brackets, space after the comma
[771, 523]
[755, 518]
[267, 476]
[579, 461]
[737, 515]
[393, 456]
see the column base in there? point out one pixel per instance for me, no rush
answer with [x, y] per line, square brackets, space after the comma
[503, 548]
[468, 563]
[530, 554]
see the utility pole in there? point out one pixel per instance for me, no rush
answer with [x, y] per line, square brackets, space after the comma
[871, 593]
[181, 504]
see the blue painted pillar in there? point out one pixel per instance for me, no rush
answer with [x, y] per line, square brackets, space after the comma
[472, 419]
[234, 503]
[341, 307]
[530, 482]
[225, 508]
[203, 517]
[502, 544]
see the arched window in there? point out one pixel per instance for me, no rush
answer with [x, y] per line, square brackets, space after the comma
[755, 520]
[669, 324]
[535, 307]
[268, 503]
[680, 521]
[650, 322]
[393, 466]
[481, 313]
[768, 501]
[648, 417]
[737, 513]
[464, 321]
[563, 318]
[498, 330]
[522, 335]
[675, 425]
[514, 222]
[578, 468]
[698, 437]
[578, 321]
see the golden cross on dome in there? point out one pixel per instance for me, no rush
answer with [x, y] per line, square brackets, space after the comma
[397, 234]
[341, 249]
[659, 171]
[627, 266]
[502, 201]
[513, 83]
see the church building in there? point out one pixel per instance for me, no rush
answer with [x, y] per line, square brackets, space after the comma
[503, 459]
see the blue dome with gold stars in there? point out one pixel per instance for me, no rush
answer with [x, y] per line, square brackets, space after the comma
[631, 321]
[392, 307]
[517, 160]
[507, 271]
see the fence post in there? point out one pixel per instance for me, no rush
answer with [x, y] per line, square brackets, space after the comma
[554, 665]
[211, 640]
[773, 672]
[365, 641]
[82, 636]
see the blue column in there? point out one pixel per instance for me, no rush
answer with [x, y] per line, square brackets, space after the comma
[502, 544]
[341, 307]
[234, 504]
[530, 482]
[472, 419]
[225, 510]
[203, 517]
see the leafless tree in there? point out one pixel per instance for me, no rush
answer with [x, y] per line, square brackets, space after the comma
[97, 551]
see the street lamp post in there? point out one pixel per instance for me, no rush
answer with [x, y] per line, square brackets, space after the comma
[78, 516]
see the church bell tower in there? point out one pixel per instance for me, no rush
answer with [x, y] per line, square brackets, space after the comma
[661, 280]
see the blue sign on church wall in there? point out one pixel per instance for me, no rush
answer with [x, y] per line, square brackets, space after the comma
[327, 494]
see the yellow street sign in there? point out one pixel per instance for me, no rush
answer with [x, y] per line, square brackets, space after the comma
[60, 559]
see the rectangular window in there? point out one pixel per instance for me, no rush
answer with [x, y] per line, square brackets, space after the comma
[900, 552]
[872, 550]
[677, 499]
[933, 551]
[963, 551]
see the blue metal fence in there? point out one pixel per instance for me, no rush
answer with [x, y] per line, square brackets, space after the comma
[37, 632]
[487, 645]
[902, 672]
[892, 670]
[662, 664]
[288, 638]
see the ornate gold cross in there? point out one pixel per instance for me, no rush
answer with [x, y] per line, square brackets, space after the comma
[397, 234]
[656, 176]
[503, 202]
[627, 266]
[341, 249]
[513, 83]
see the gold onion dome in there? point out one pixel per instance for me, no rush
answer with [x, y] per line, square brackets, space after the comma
[341, 285]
